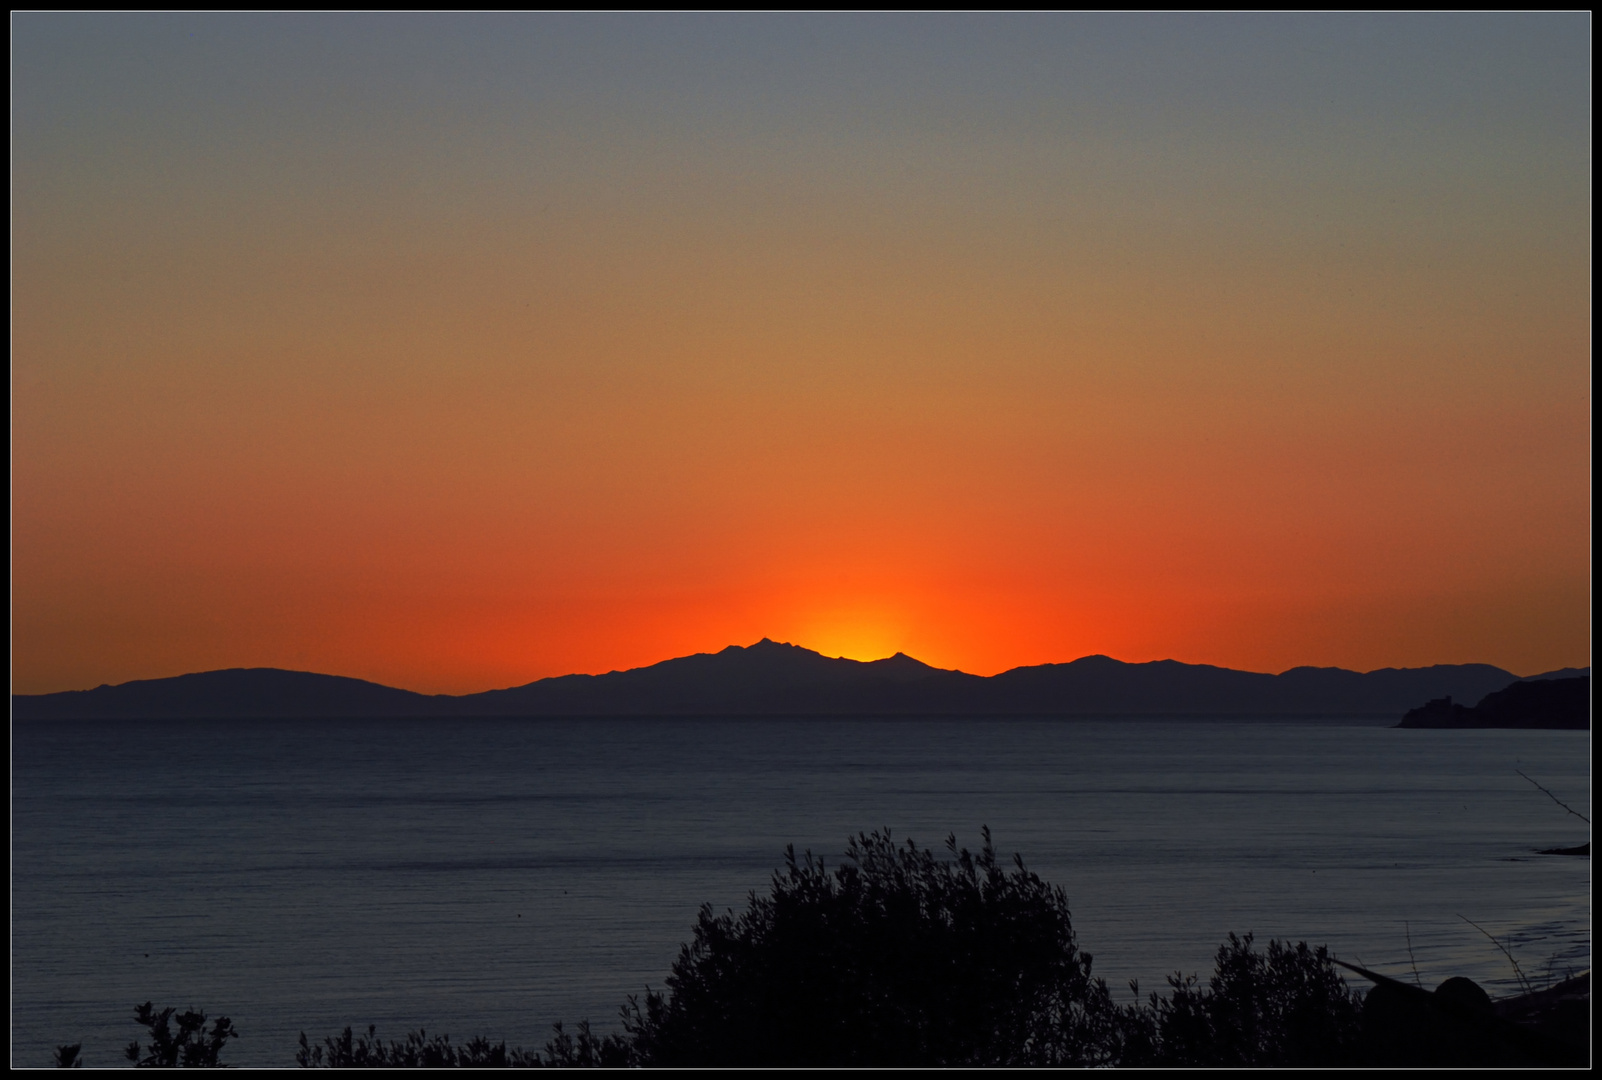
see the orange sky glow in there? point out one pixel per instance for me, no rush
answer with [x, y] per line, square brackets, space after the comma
[450, 384]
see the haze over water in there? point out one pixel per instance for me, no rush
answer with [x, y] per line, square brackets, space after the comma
[493, 876]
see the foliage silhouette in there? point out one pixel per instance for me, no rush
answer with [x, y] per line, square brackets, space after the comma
[587, 1051]
[1286, 1008]
[67, 1057]
[417, 1052]
[350, 1051]
[894, 958]
[191, 1046]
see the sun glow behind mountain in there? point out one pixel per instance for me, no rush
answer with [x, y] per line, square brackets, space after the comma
[857, 636]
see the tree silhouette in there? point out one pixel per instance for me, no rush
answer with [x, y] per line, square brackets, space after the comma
[893, 958]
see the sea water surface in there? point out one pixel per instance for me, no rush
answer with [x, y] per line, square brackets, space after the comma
[493, 876]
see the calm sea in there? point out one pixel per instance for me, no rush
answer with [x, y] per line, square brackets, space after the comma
[493, 876]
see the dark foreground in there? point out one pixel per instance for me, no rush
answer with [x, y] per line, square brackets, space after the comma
[897, 958]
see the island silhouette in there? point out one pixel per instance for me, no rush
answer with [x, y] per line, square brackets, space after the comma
[774, 679]
[1543, 703]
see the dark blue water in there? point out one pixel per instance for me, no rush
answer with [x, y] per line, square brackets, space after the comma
[492, 876]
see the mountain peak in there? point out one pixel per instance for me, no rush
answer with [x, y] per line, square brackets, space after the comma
[901, 659]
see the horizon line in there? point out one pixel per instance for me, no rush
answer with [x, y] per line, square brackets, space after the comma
[791, 645]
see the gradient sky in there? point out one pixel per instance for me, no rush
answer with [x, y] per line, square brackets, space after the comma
[454, 352]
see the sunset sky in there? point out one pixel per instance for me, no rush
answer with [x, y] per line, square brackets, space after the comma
[455, 352]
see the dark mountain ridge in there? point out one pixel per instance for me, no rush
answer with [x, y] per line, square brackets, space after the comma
[776, 679]
[1540, 703]
[234, 692]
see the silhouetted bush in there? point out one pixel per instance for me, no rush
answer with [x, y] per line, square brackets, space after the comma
[349, 1051]
[67, 1057]
[191, 1046]
[897, 958]
[894, 958]
[1288, 1007]
[587, 1051]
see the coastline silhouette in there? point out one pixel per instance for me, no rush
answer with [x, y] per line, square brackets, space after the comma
[775, 679]
[1545, 703]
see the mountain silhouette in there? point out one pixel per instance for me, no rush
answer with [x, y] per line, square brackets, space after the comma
[229, 693]
[1542, 703]
[772, 678]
